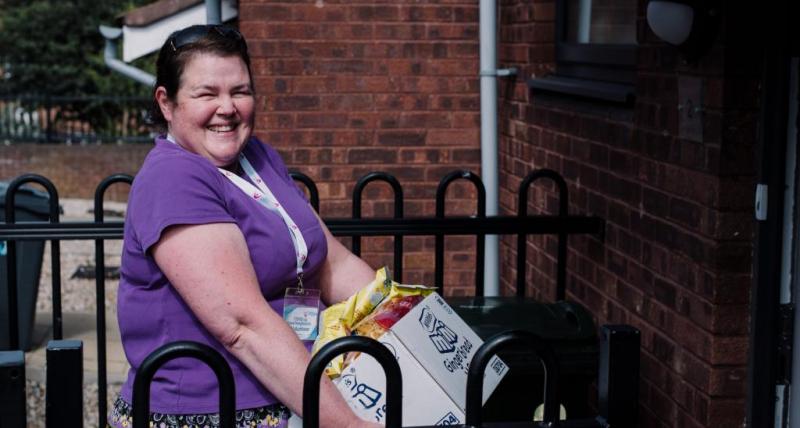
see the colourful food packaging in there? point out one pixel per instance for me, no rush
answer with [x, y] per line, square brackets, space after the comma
[338, 320]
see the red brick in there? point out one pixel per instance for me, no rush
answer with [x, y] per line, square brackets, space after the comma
[439, 137]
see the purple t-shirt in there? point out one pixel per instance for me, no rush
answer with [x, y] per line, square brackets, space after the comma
[177, 187]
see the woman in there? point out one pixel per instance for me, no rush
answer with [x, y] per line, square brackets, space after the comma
[211, 245]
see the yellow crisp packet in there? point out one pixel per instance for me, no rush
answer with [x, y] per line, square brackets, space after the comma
[403, 290]
[331, 327]
[366, 299]
[337, 320]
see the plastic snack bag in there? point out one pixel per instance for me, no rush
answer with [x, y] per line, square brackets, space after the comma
[338, 320]
[398, 303]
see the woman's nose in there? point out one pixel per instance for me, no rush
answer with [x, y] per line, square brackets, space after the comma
[226, 106]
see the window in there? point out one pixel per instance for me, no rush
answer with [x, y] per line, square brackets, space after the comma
[595, 50]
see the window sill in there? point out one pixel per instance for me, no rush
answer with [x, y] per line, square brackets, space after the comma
[605, 91]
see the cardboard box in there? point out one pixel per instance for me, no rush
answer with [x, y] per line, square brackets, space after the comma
[433, 347]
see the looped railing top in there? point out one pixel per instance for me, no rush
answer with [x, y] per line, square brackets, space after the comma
[522, 211]
[358, 190]
[441, 191]
[101, 189]
[11, 258]
[100, 286]
[313, 193]
[171, 351]
[481, 359]
[11, 194]
[394, 386]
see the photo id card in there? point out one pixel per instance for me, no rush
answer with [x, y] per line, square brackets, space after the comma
[301, 311]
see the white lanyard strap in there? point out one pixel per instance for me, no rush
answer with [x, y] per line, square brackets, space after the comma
[266, 198]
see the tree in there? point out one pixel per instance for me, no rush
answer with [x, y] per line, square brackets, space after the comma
[54, 47]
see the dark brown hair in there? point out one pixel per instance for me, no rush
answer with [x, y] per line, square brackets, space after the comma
[181, 46]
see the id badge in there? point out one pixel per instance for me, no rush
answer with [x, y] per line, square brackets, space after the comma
[301, 311]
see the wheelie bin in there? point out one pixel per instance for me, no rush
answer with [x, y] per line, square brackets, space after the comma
[30, 205]
[569, 330]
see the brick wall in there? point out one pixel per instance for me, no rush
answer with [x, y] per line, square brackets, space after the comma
[349, 87]
[676, 193]
[75, 170]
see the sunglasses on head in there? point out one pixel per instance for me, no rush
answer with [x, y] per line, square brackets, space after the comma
[194, 33]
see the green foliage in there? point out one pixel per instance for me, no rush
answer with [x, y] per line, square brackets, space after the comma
[54, 47]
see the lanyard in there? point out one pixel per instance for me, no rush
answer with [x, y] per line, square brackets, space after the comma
[267, 199]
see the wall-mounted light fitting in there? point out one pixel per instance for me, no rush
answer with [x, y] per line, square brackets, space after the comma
[688, 24]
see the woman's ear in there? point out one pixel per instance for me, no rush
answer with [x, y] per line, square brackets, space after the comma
[164, 103]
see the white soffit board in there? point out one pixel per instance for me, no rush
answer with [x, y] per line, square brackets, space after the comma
[140, 41]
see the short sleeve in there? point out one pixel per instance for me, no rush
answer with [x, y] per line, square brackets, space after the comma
[175, 190]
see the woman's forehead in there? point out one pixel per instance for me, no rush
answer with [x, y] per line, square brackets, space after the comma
[207, 69]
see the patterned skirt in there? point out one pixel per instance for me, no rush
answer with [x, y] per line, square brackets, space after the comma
[272, 416]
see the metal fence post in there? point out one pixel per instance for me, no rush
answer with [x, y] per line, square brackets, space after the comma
[12, 389]
[618, 378]
[180, 349]
[384, 357]
[100, 290]
[64, 397]
[441, 192]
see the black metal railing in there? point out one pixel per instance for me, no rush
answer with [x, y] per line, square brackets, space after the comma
[399, 226]
[617, 381]
[384, 357]
[171, 351]
[74, 119]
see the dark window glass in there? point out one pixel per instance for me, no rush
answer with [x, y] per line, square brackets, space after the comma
[595, 50]
[601, 21]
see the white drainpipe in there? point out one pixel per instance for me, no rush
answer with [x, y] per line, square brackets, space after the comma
[489, 174]
[110, 56]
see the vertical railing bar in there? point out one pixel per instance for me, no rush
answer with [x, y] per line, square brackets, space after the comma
[522, 238]
[441, 191]
[100, 294]
[563, 213]
[397, 189]
[12, 392]
[64, 384]
[398, 239]
[480, 237]
[11, 273]
[55, 263]
[355, 241]
[11, 258]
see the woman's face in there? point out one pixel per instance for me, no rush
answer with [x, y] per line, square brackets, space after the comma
[212, 113]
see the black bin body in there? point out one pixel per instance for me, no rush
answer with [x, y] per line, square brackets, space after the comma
[31, 205]
[568, 327]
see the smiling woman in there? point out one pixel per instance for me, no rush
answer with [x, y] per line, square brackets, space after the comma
[217, 237]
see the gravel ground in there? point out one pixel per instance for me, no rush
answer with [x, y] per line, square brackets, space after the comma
[77, 296]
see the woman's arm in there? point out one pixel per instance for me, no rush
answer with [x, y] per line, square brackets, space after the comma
[209, 265]
[343, 273]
